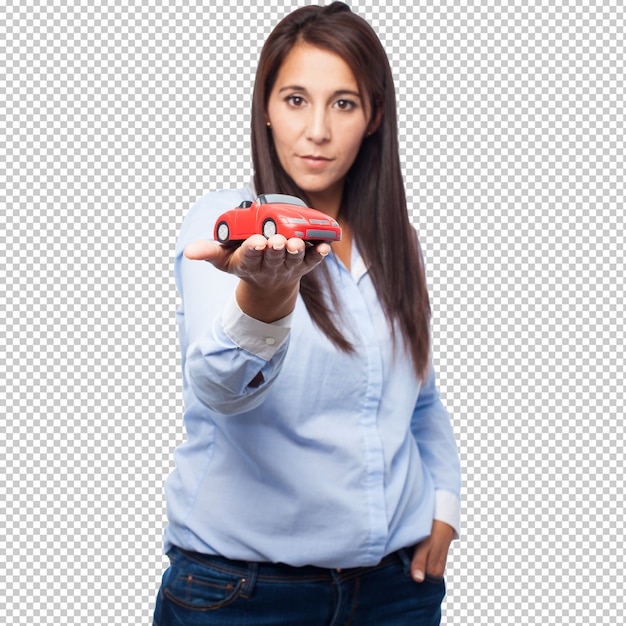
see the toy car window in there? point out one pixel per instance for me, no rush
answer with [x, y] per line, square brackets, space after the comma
[279, 198]
[246, 204]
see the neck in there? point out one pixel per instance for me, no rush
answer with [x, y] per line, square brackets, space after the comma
[343, 249]
[327, 201]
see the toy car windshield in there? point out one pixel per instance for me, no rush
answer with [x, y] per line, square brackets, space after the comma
[279, 198]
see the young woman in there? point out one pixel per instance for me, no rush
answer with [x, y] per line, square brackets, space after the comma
[320, 480]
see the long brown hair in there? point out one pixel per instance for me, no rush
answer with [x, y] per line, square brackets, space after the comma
[374, 200]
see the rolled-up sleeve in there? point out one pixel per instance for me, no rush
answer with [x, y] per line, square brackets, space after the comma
[253, 335]
[231, 370]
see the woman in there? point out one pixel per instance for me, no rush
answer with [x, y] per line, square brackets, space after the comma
[320, 480]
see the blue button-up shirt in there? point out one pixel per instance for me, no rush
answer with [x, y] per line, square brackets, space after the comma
[333, 460]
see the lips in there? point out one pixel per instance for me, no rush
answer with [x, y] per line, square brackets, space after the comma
[315, 161]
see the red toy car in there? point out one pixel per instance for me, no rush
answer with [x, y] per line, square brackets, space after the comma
[273, 213]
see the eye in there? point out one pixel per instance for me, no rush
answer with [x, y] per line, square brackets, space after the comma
[295, 101]
[345, 105]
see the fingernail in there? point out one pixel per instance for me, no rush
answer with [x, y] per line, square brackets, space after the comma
[279, 246]
[418, 576]
[293, 251]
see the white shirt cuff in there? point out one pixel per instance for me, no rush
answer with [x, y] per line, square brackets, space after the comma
[448, 510]
[252, 335]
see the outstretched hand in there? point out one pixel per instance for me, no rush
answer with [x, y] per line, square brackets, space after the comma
[270, 270]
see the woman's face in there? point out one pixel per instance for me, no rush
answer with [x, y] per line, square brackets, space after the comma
[318, 120]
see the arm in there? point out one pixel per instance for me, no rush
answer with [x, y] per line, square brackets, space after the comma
[233, 348]
[435, 439]
[433, 433]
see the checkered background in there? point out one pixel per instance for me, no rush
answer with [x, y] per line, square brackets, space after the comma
[116, 116]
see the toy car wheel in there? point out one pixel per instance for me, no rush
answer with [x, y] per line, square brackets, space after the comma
[223, 232]
[269, 228]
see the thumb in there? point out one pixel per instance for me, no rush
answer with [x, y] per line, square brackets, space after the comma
[202, 250]
[418, 564]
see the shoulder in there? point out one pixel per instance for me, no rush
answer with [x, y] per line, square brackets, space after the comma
[200, 219]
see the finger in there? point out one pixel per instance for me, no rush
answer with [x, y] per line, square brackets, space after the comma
[248, 260]
[323, 249]
[275, 251]
[203, 250]
[315, 255]
[295, 248]
[277, 242]
[418, 563]
[295, 245]
[256, 243]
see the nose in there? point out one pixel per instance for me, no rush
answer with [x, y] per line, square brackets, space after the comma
[318, 127]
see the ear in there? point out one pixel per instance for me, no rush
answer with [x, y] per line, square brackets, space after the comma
[375, 122]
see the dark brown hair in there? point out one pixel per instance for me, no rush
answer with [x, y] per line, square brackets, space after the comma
[374, 200]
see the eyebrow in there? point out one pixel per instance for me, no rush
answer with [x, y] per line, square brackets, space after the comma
[338, 92]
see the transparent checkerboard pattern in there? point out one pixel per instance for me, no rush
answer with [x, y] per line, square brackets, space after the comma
[115, 117]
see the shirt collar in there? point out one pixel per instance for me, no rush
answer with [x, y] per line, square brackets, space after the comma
[358, 268]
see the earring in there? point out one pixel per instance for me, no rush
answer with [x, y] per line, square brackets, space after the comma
[269, 124]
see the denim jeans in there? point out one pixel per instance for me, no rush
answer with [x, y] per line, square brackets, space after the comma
[205, 590]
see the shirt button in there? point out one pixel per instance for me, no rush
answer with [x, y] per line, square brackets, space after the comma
[270, 341]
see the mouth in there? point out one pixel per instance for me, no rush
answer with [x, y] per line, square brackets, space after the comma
[314, 161]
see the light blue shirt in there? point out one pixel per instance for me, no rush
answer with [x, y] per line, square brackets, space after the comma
[335, 459]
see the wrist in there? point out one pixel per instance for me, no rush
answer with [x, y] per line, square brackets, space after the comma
[266, 304]
[443, 531]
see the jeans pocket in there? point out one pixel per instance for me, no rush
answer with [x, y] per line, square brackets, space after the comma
[435, 580]
[405, 557]
[199, 587]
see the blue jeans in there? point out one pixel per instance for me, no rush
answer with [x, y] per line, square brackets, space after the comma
[206, 590]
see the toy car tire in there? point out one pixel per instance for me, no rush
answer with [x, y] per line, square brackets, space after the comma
[269, 228]
[223, 232]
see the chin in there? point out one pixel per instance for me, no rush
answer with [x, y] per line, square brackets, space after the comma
[317, 186]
